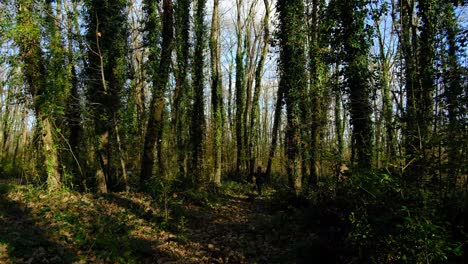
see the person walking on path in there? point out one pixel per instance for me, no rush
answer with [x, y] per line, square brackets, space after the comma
[259, 179]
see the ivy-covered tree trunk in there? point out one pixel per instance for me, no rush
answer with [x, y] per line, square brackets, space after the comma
[453, 97]
[292, 73]
[198, 109]
[356, 45]
[181, 94]
[428, 11]
[73, 107]
[417, 43]
[160, 78]
[251, 44]
[408, 48]
[107, 40]
[317, 73]
[28, 39]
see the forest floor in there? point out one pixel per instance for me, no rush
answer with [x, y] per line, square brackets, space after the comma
[69, 227]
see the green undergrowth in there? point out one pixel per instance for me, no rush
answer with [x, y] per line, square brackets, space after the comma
[369, 218]
[391, 220]
[68, 226]
[373, 218]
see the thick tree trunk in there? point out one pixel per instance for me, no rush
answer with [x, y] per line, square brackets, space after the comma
[102, 171]
[50, 152]
[34, 71]
[293, 80]
[358, 80]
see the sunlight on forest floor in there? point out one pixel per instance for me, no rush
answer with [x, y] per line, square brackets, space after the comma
[68, 227]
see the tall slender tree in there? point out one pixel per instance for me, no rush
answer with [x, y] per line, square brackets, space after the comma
[107, 46]
[317, 77]
[385, 61]
[198, 109]
[255, 113]
[240, 90]
[160, 78]
[408, 44]
[453, 95]
[216, 93]
[428, 11]
[73, 104]
[182, 89]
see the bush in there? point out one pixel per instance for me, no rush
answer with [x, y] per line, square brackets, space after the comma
[393, 223]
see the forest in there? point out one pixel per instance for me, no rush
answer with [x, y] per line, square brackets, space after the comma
[233, 131]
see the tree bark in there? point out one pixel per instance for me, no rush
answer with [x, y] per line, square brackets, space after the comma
[153, 136]
[216, 94]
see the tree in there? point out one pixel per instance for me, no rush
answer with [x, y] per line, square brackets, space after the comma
[107, 46]
[250, 46]
[28, 39]
[317, 75]
[418, 55]
[255, 113]
[427, 10]
[154, 130]
[240, 90]
[453, 95]
[385, 61]
[292, 81]
[216, 94]
[73, 106]
[198, 109]
[182, 89]
[355, 41]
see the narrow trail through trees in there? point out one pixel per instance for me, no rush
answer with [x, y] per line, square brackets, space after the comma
[66, 227]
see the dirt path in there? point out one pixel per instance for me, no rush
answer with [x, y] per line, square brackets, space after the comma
[233, 232]
[127, 228]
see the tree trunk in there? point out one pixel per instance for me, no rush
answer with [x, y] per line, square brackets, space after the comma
[357, 75]
[216, 94]
[34, 70]
[240, 91]
[198, 114]
[153, 136]
[181, 93]
[255, 114]
[276, 124]
[293, 82]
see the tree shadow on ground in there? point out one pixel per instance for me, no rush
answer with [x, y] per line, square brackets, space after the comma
[139, 210]
[249, 230]
[25, 240]
[145, 251]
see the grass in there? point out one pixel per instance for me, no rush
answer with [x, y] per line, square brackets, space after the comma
[232, 224]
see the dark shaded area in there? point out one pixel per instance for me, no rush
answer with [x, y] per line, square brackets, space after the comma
[26, 240]
[261, 231]
[347, 225]
[135, 208]
[31, 237]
